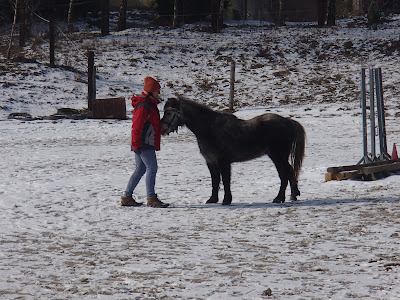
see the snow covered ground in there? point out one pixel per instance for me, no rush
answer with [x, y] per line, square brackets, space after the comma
[64, 235]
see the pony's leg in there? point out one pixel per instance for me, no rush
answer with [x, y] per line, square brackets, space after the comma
[226, 180]
[215, 180]
[283, 168]
[293, 185]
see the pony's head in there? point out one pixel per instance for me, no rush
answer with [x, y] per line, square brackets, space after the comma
[172, 116]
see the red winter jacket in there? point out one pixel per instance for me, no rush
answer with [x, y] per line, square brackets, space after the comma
[146, 125]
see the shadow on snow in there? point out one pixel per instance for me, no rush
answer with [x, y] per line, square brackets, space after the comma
[306, 203]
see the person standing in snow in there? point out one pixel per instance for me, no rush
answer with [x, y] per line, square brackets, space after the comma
[146, 136]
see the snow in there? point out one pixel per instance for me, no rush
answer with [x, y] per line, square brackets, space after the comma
[65, 236]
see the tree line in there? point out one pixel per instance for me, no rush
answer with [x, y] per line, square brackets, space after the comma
[171, 12]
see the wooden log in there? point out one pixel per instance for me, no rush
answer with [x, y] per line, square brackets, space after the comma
[393, 167]
[372, 171]
[359, 167]
[342, 175]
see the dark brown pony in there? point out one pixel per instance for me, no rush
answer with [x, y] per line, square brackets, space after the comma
[224, 139]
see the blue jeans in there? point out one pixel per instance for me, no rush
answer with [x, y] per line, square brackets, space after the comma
[146, 162]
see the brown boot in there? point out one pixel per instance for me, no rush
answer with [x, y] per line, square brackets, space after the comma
[153, 201]
[129, 201]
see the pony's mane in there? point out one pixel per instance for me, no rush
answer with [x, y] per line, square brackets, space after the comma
[202, 106]
[196, 104]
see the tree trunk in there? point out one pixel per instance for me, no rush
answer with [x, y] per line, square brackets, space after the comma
[221, 13]
[373, 13]
[105, 18]
[122, 15]
[244, 11]
[71, 5]
[215, 7]
[52, 41]
[322, 10]
[22, 22]
[331, 13]
[280, 19]
[12, 30]
[396, 6]
[175, 18]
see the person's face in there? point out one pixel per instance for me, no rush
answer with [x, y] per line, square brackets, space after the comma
[156, 94]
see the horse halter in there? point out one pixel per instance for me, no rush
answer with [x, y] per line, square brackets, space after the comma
[170, 120]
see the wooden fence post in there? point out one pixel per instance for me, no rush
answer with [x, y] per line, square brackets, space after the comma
[91, 79]
[232, 86]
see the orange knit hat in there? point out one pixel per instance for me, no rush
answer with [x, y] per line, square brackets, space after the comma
[151, 85]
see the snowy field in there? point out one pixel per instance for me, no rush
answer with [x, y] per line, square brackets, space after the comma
[64, 235]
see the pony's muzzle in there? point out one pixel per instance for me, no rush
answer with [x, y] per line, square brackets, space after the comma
[169, 122]
[165, 129]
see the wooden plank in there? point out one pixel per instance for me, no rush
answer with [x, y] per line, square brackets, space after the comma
[342, 175]
[383, 168]
[359, 167]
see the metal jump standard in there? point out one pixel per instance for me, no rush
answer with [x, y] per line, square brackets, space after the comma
[371, 166]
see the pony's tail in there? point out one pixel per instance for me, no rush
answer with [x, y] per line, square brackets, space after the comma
[297, 151]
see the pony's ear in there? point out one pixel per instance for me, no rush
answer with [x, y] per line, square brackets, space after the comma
[181, 97]
[172, 102]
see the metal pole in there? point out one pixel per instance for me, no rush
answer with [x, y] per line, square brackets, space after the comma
[364, 117]
[372, 112]
[232, 86]
[94, 84]
[379, 111]
[381, 115]
[91, 79]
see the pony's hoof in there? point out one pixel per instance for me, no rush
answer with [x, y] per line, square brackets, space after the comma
[293, 198]
[227, 200]
[278, 200]
[212, 200]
